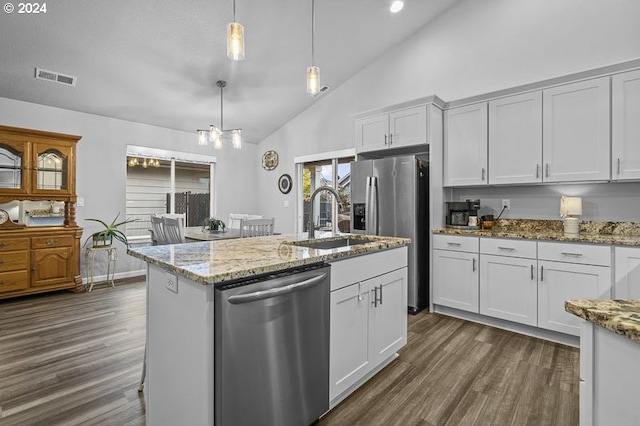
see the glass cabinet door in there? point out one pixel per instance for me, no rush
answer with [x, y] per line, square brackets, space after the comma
[13, 178]
[51, 169]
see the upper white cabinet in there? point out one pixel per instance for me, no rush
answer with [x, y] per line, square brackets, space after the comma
[465, 145]
[515, 139]
[398, 129]
[576, 129]
[625, 160]
[627, 273]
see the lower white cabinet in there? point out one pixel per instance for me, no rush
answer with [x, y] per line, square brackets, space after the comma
[627, 273]
[561, 281]
[368, 326]
[455, 279]
[508, 288]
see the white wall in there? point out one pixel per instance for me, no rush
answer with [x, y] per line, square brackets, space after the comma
[473, 48]
[101, 162]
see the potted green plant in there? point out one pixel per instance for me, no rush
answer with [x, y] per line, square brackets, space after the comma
[105, 237]
[216, 224]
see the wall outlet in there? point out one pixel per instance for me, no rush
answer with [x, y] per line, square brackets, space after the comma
[506, 204]
[172, 282]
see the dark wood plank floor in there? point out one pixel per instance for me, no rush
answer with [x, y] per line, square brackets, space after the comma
[75, 359]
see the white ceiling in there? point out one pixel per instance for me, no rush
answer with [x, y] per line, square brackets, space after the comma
[157, 62]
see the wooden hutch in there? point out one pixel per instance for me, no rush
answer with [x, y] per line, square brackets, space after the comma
[38, 166]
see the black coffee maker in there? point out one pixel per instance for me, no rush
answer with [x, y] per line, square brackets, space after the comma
[457, 213]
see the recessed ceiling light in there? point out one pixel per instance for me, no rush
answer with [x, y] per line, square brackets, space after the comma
[396, 6]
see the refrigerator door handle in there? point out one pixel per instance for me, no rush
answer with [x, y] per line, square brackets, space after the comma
[374, 205]
[367, 207]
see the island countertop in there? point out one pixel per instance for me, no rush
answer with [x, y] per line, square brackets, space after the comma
[214, 262]
[620, 316]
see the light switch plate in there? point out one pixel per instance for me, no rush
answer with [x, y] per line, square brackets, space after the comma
[80, 202]
[171, 282]
[286, 203]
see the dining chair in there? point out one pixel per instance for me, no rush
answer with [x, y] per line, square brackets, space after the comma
[256, 227]
[235, 218]
[173, 230]
[158, 237]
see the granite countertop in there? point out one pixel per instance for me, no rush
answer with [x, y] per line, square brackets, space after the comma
[620, 316]
[611, 233]
[213, 262]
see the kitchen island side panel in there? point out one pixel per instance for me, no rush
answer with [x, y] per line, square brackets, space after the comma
[180, 369]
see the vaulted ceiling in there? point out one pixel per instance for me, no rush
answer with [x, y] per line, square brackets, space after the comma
[156, 62]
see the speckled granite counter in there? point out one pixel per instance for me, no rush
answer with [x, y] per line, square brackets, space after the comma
[219, 261]
[611, 233]
[619, 316]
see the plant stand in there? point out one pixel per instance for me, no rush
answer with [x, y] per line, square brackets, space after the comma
[112, 256]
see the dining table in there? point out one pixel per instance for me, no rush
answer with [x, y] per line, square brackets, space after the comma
[197, 233]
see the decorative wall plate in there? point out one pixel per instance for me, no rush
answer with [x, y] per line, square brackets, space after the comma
[270, 160]
[285, 183]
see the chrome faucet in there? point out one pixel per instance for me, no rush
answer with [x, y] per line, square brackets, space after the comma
[312, 230]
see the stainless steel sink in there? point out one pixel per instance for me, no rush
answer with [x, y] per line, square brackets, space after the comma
[331, 243]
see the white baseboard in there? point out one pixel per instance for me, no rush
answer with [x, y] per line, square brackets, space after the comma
[116, 276]
[540, 333]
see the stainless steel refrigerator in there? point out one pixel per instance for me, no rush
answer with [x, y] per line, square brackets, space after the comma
[390, 197]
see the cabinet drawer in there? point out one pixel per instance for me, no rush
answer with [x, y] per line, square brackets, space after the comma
[13, 261]
[506, 247]
[53, 241]
[14, 244]
[16, 280]
[585, 254]
[355, 269]
[456, 242]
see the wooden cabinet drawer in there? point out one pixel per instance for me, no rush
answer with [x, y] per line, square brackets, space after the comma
[13, 261]
[16, 280]
[586, 254]
[506, 247]
[14, 244]
[456, 242]
[52, 241]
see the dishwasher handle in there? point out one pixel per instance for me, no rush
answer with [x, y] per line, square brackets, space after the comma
[275, 292]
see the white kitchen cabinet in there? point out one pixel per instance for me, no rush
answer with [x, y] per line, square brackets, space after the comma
[398, 129]
[515, 139]
[368, 318]
[627, 273]
[455, 272]
[625, 132]
[576, 127]
[465, 145]
[508, 282]
[561, 281]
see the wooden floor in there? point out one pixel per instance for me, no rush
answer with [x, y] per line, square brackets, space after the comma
[75, 359]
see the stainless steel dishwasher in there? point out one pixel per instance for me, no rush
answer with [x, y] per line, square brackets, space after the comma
[272, 349]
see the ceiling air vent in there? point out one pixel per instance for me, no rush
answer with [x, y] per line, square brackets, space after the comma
[321, 91]
[55, 77]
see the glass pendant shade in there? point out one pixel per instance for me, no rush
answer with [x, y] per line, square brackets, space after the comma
[313, 80]
[203, 137]
[235, 41]
[237, 139]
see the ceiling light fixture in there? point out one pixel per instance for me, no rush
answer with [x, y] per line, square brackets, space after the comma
[235, 38]
[313, 72]
[217, 134]
[396, 6]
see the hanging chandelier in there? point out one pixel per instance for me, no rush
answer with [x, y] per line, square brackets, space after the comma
[215, 134]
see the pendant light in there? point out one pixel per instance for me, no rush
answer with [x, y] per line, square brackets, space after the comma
[235, 38]
[216, 134]
[313, 72]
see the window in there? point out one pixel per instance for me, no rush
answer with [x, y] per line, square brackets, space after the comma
[160, 181]
[333, 170]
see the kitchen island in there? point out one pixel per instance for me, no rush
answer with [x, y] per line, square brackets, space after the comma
[182, 281]
[609, 360]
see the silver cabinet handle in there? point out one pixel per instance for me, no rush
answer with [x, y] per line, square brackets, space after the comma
[537, 171]
[531, 272]
[385, 140]
[380, 294]
[483, 173]
[390, 138]
[541, 273]
[274, 292]
[547, 171]
[571, 254]
[454, 244]
[618, 166]
[474, 264]
[507, 248]
[375, 297]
